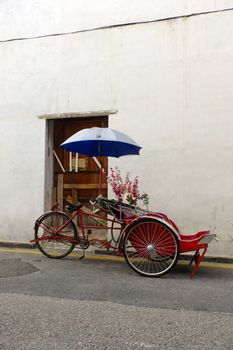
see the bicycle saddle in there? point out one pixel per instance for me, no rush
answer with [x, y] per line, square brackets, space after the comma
[72, 207]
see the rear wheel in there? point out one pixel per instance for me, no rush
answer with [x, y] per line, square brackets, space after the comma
[55, 245]
[151, 248]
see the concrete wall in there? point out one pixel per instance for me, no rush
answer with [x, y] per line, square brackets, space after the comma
[26, 18]
[170, 82]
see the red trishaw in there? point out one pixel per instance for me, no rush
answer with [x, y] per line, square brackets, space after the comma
[150, 242]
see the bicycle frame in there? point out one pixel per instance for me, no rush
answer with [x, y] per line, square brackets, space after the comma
[105, 243]
[79, 214]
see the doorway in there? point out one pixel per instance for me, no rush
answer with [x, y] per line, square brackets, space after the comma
[76, 177]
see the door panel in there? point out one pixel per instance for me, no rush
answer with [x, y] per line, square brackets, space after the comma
[84, 184]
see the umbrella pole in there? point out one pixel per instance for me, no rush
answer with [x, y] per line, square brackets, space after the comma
[101, 179]
[102, 171]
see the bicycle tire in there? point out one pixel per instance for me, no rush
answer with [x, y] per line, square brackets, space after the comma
[151, 248]
[55, 248]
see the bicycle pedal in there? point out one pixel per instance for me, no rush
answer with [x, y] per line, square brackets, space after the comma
[89, 232]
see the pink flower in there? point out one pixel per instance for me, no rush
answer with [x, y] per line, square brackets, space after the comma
[135, 191]
[119, 187]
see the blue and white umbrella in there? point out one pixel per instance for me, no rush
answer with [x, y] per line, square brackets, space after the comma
[95, 142]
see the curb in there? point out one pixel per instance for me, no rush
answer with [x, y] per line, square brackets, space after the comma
[17, 245]
[217, 259]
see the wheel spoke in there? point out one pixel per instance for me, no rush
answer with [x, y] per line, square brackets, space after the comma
[46, 228]
[163, 239]
[141, 236]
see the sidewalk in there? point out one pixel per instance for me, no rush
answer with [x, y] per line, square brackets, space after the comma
[98, 251]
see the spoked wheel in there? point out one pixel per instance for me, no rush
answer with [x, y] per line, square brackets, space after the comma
[55, 243]
[151, 248]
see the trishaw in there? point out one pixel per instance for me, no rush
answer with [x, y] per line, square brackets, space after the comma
[150, 242]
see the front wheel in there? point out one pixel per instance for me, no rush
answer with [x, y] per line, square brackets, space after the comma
[55, 235]
[151, 248]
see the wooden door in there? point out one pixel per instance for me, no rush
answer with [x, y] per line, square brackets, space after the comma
[73, 185]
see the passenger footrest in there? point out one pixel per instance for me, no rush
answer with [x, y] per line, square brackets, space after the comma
[198, 259]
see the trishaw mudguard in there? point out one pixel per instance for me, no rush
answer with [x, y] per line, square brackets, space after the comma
[159, 217]
[41, 217]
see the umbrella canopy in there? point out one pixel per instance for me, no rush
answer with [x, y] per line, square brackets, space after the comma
[95, 142]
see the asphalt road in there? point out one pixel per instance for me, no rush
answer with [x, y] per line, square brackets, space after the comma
[98, 303]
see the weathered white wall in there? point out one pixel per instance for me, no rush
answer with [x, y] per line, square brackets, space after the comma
[40, 17]
[171, 84]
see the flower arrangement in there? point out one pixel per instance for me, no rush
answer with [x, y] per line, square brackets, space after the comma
[125, 188]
